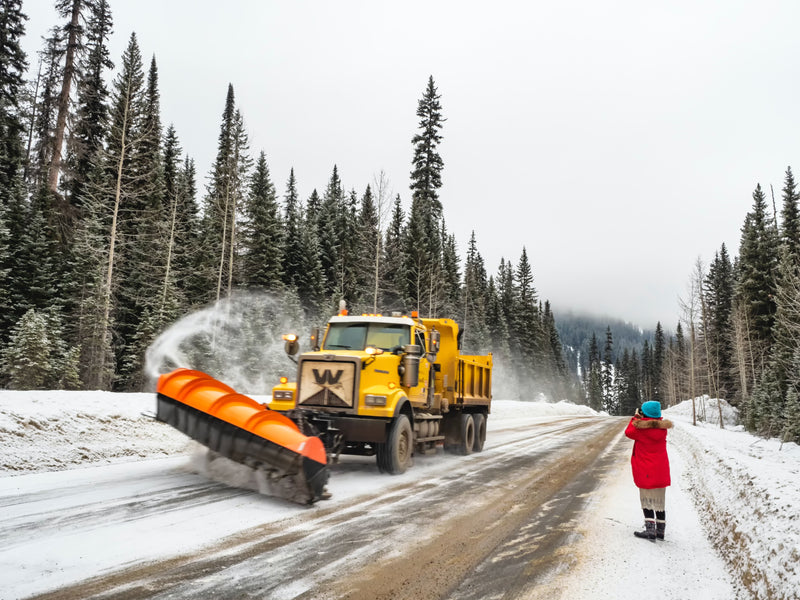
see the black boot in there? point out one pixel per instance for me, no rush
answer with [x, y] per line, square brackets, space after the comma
[661, 522]
[649, 532]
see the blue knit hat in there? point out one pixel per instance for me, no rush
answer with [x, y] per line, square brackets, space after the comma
[652, 409]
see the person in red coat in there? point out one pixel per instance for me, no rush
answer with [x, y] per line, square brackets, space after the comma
[650, 464]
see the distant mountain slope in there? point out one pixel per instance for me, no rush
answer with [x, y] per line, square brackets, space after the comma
[575, 331]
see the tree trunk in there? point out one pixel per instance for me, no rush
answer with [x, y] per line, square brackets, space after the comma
[106, 323]
[63, 100]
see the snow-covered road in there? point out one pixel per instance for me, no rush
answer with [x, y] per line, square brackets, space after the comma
[71, 525]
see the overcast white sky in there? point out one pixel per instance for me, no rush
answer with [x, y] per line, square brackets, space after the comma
[617, 141]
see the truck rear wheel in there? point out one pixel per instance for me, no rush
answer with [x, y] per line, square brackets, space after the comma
[480, 431]
[394, 455]
[467, 431]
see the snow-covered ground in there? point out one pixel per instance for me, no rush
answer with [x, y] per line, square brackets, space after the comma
[732, 529]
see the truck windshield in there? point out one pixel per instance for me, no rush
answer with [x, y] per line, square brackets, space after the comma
[357, 336]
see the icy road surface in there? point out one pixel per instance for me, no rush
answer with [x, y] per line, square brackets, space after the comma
[510, 522]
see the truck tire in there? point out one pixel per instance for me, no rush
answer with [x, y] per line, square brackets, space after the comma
[394, 455]
[480, 431]
[467, 434]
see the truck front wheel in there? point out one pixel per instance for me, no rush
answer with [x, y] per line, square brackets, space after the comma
[394, 455]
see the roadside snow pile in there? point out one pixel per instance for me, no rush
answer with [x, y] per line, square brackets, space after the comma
[56, 430]
[747, 492]
[517, 409]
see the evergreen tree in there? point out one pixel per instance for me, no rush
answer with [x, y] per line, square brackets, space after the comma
[171, 298]
[525, 326]
[786, 330]
[658, 362]
[423, 244]
[329, 221]
[100, 247]
[26, 361]
[292, 259]
[758, 260]
[12, 191]
[790, 220]
[393, 276]
[451, 276]
[350, 256]
[609, 401]
[86, 140]
[426, 177]
[718, 297]
[496, 325]
[474, 300]
[595, 377]
[369, 236]
[263, 231]
[225, 201]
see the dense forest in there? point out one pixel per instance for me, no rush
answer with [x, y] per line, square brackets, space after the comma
[106, 238]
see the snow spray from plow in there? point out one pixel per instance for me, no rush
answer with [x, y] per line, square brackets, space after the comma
[239, 428]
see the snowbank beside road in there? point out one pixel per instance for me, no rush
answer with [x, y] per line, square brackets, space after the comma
[57, 430]
[747, 492]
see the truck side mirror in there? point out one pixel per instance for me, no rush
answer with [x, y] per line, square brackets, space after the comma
[435, 341]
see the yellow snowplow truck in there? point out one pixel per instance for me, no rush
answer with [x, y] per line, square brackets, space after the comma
[382, 386]
[388, 386]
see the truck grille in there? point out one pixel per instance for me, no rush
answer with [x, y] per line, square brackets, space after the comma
[327, 383]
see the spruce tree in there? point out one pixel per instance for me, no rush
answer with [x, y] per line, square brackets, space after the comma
[12, 190]
[225, 202]
[595, 377]
[262, 231]
[609, 401]
[423, 246]
[451, 276]
[758, 260]
[101, 247]
[392, 274]
[26, 362]
[369, 236]
[292, 259]
[718, 294]
[426, 177]
[525, 326]
[659, 350]
[329, 221]
[474, 300]
[91, 118]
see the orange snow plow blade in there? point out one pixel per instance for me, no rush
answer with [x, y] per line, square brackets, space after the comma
[241, 429]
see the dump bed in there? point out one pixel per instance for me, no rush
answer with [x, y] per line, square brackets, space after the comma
[460, 379]
[474, 380]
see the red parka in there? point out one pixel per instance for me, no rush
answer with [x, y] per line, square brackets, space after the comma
[649, 460]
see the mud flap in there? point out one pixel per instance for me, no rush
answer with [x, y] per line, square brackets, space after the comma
[292, 465]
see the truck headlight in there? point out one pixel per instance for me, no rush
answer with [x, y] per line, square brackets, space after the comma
[373, 400]
[282, 395]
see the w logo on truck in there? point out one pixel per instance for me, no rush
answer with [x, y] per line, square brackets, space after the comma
[327, 383]
[327, 378]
